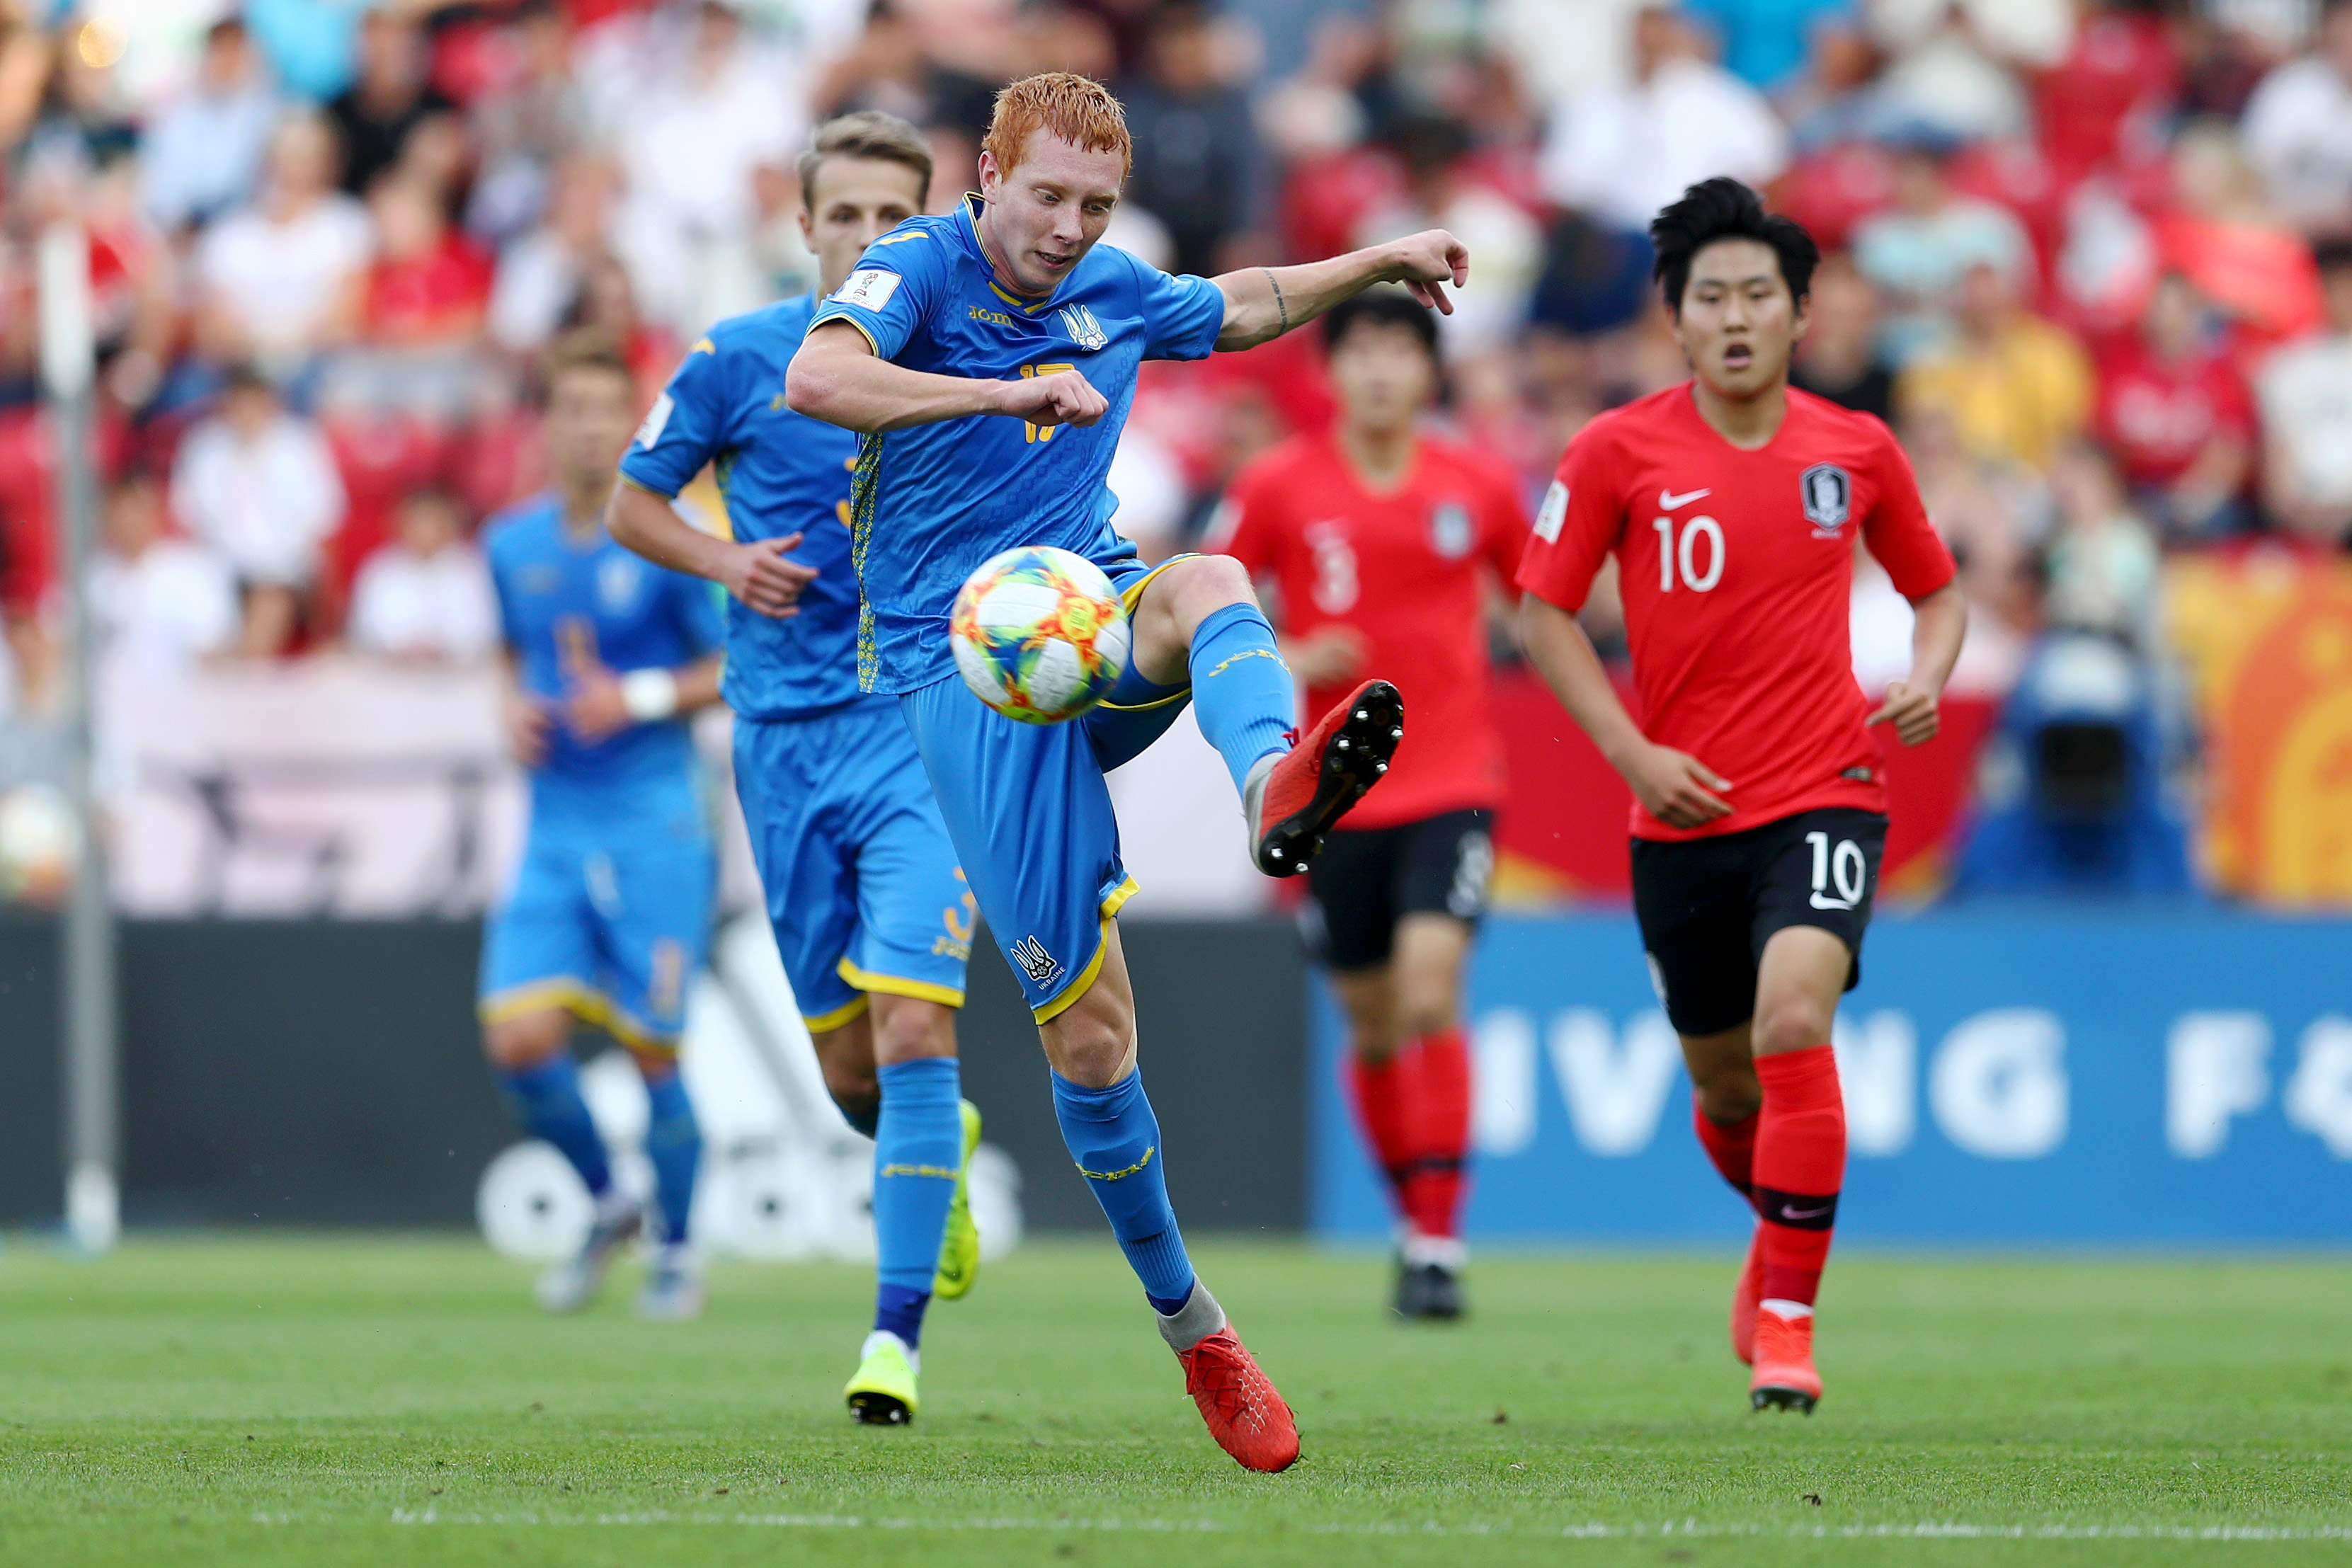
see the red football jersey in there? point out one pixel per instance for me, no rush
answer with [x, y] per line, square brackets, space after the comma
[1406, 571]
[1736, 568]
[2156, 417]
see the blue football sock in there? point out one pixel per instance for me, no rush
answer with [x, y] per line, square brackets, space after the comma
[546, 1100]
[918, 1149]
[674, 1144]
[1242, 691]
[1115, 1138]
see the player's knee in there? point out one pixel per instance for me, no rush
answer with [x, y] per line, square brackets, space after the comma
[1795, 1024]
[1728, 1094]
[1426, 1009]
[913, 1030]
[516, 1043]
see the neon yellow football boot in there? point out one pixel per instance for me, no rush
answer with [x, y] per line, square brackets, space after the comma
[959, 1248]
[883, 1392]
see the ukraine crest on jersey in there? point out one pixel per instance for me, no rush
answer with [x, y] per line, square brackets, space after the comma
[931, 503]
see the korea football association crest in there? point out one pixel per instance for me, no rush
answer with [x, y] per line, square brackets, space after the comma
[1827, 492]
[1450, 533]
[1084, 330]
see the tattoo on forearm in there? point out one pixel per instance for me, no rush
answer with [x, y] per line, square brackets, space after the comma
[1280, 304]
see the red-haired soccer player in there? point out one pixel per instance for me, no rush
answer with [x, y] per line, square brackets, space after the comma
[1731, 503]
[989, 357]
[1382, 544]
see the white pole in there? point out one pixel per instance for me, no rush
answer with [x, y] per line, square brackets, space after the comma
[69, 366]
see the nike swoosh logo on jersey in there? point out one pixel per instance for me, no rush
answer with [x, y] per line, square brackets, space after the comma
[1668, 500]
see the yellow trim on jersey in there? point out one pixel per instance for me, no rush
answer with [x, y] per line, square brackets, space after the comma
[1129, 598]
[1065, 999]
[868, 981]
[636, 483]
[569, 994]
[819, 1023]
[847, 321]
[562, 993]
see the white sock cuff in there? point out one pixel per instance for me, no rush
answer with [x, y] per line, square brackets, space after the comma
[914, 1357]
[1792, 1310]
[1445, 1251]
[1196, 1320]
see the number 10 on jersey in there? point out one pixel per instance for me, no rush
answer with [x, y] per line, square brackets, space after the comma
[1684, 553]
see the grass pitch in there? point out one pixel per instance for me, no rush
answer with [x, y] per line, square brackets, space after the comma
[322, 1401]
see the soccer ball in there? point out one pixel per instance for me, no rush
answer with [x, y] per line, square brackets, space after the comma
[1039, 634]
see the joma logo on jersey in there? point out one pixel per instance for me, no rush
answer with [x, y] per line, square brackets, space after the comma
[1042, 967]
[1828, 496]
[1084, 330]
[993, 318]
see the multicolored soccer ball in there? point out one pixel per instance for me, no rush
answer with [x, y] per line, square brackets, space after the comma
[1039, 634]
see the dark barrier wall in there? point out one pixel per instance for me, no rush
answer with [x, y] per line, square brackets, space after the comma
[1221, 1011]
[329, 1074]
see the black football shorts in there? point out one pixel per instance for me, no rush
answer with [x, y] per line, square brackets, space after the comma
[1706, 906]
[1366, 880]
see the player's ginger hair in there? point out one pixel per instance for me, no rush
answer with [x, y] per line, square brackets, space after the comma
[1078, 109]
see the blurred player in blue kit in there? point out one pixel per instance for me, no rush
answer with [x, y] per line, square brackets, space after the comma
[1007, 306]
[610, 915]
[872, 918]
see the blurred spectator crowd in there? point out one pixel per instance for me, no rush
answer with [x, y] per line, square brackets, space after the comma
[2092, 259]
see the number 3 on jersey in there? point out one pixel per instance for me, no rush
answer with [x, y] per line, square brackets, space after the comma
[1684, 553]
[1030, 431]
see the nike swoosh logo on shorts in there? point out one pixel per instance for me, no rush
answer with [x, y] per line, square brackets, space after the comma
[1787, 1213]
[1668, 500]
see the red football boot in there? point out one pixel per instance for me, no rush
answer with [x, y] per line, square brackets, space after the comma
[1744, 1297]
[1327, 771]
[1244, 1414]
[1784, 1364]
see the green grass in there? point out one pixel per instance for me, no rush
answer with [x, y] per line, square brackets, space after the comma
[319, 1401]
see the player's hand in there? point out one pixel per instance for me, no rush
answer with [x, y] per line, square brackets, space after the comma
[1066, 397]
[758, 574]
[1330, 657]
[1676, 788]
[1911, 709]
[1426, 262]
[527, 725]
[596, 708]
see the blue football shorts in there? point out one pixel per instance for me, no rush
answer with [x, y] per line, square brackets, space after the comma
[611, 927]
[863, 888]
[1029, 812]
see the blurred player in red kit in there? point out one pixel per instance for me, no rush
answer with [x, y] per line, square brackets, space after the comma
[1731, 503]
[1381, 546]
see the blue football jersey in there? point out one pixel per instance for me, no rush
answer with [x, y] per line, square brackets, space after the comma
[569, 602]
[931, 503]
[781, 473]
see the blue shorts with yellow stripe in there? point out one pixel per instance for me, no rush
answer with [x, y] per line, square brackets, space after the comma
[1030, 813]
[611, 927]
[863, 888]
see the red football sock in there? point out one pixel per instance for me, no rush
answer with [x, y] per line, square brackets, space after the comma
[1731, 1145]
[1379, 1090]
[1437, 1120]
[1799, 1166]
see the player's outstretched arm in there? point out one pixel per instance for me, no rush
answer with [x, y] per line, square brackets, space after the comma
[837, 377]
[1265, 302]
[1940, 621]
[755, 573]
[1673, 786]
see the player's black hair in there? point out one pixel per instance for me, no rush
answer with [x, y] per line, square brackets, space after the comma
[1384, 308]
[1718, 209]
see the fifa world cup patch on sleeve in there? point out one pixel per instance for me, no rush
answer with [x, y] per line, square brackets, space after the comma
[1553, 514]
[657, 420]
[869, 289]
